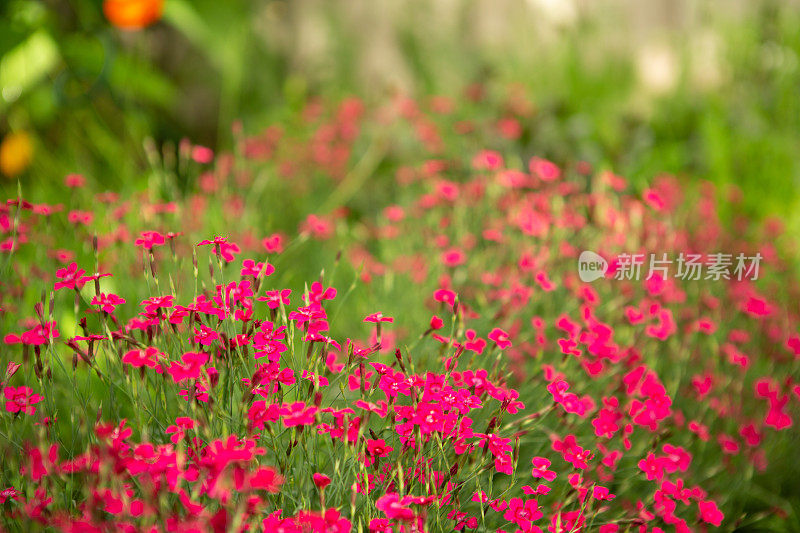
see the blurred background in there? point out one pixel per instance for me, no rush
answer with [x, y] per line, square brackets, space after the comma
[703, 89]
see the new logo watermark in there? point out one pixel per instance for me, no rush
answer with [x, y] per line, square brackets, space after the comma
[686, 266]
[591, 266]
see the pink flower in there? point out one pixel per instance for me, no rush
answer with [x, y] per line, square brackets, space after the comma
[149, 239]
[273, 243]
[107, 302]
[757, 307]
[544, 169]
[224, 249]
[654, 200]
[652, 466]
[381, 408]
[487, 160]
[298, 414]
[152, 305]
[217, 241]
[378, 317]
[190, 366]
[391, 505]
[262, 412]
[445, 295]
[318, 227]
[251, 268]
[473, 342]
[710, 513]
[266, 478]
[178, 429]
[317, 293]
[274, 299]
[80, 217]
[74, 181]
[522, 512]
[602, 493]
[201, 154]
[149, 357]
[453, 257]
[37, 336]
[70, 277]
[500, 338]
[21, 399]
[540, 469]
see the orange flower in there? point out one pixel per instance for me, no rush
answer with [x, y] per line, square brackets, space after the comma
[16, 152]
[132, 14]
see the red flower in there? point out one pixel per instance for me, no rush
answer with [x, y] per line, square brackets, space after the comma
[378, 448]
[321, 480]
[9, 492]
[266, 478]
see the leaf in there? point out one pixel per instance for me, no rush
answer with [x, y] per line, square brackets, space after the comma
[26, 64]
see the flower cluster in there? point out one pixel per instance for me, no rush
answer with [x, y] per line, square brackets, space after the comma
[427, 360]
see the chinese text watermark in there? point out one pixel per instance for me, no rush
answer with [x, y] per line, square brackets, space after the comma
[685, 266]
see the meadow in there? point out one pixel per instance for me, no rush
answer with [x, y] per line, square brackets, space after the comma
[431, 310]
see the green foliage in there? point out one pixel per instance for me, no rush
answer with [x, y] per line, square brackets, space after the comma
[67, 75]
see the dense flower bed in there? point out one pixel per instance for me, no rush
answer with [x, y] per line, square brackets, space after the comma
[374, 320]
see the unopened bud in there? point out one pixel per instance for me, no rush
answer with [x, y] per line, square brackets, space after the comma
[399, 356]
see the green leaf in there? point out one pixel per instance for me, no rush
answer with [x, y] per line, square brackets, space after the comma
[25, 65]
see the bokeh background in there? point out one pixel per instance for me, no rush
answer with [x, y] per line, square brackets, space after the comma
[706, 90]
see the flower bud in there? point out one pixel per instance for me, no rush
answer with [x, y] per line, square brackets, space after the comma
[321, 480]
